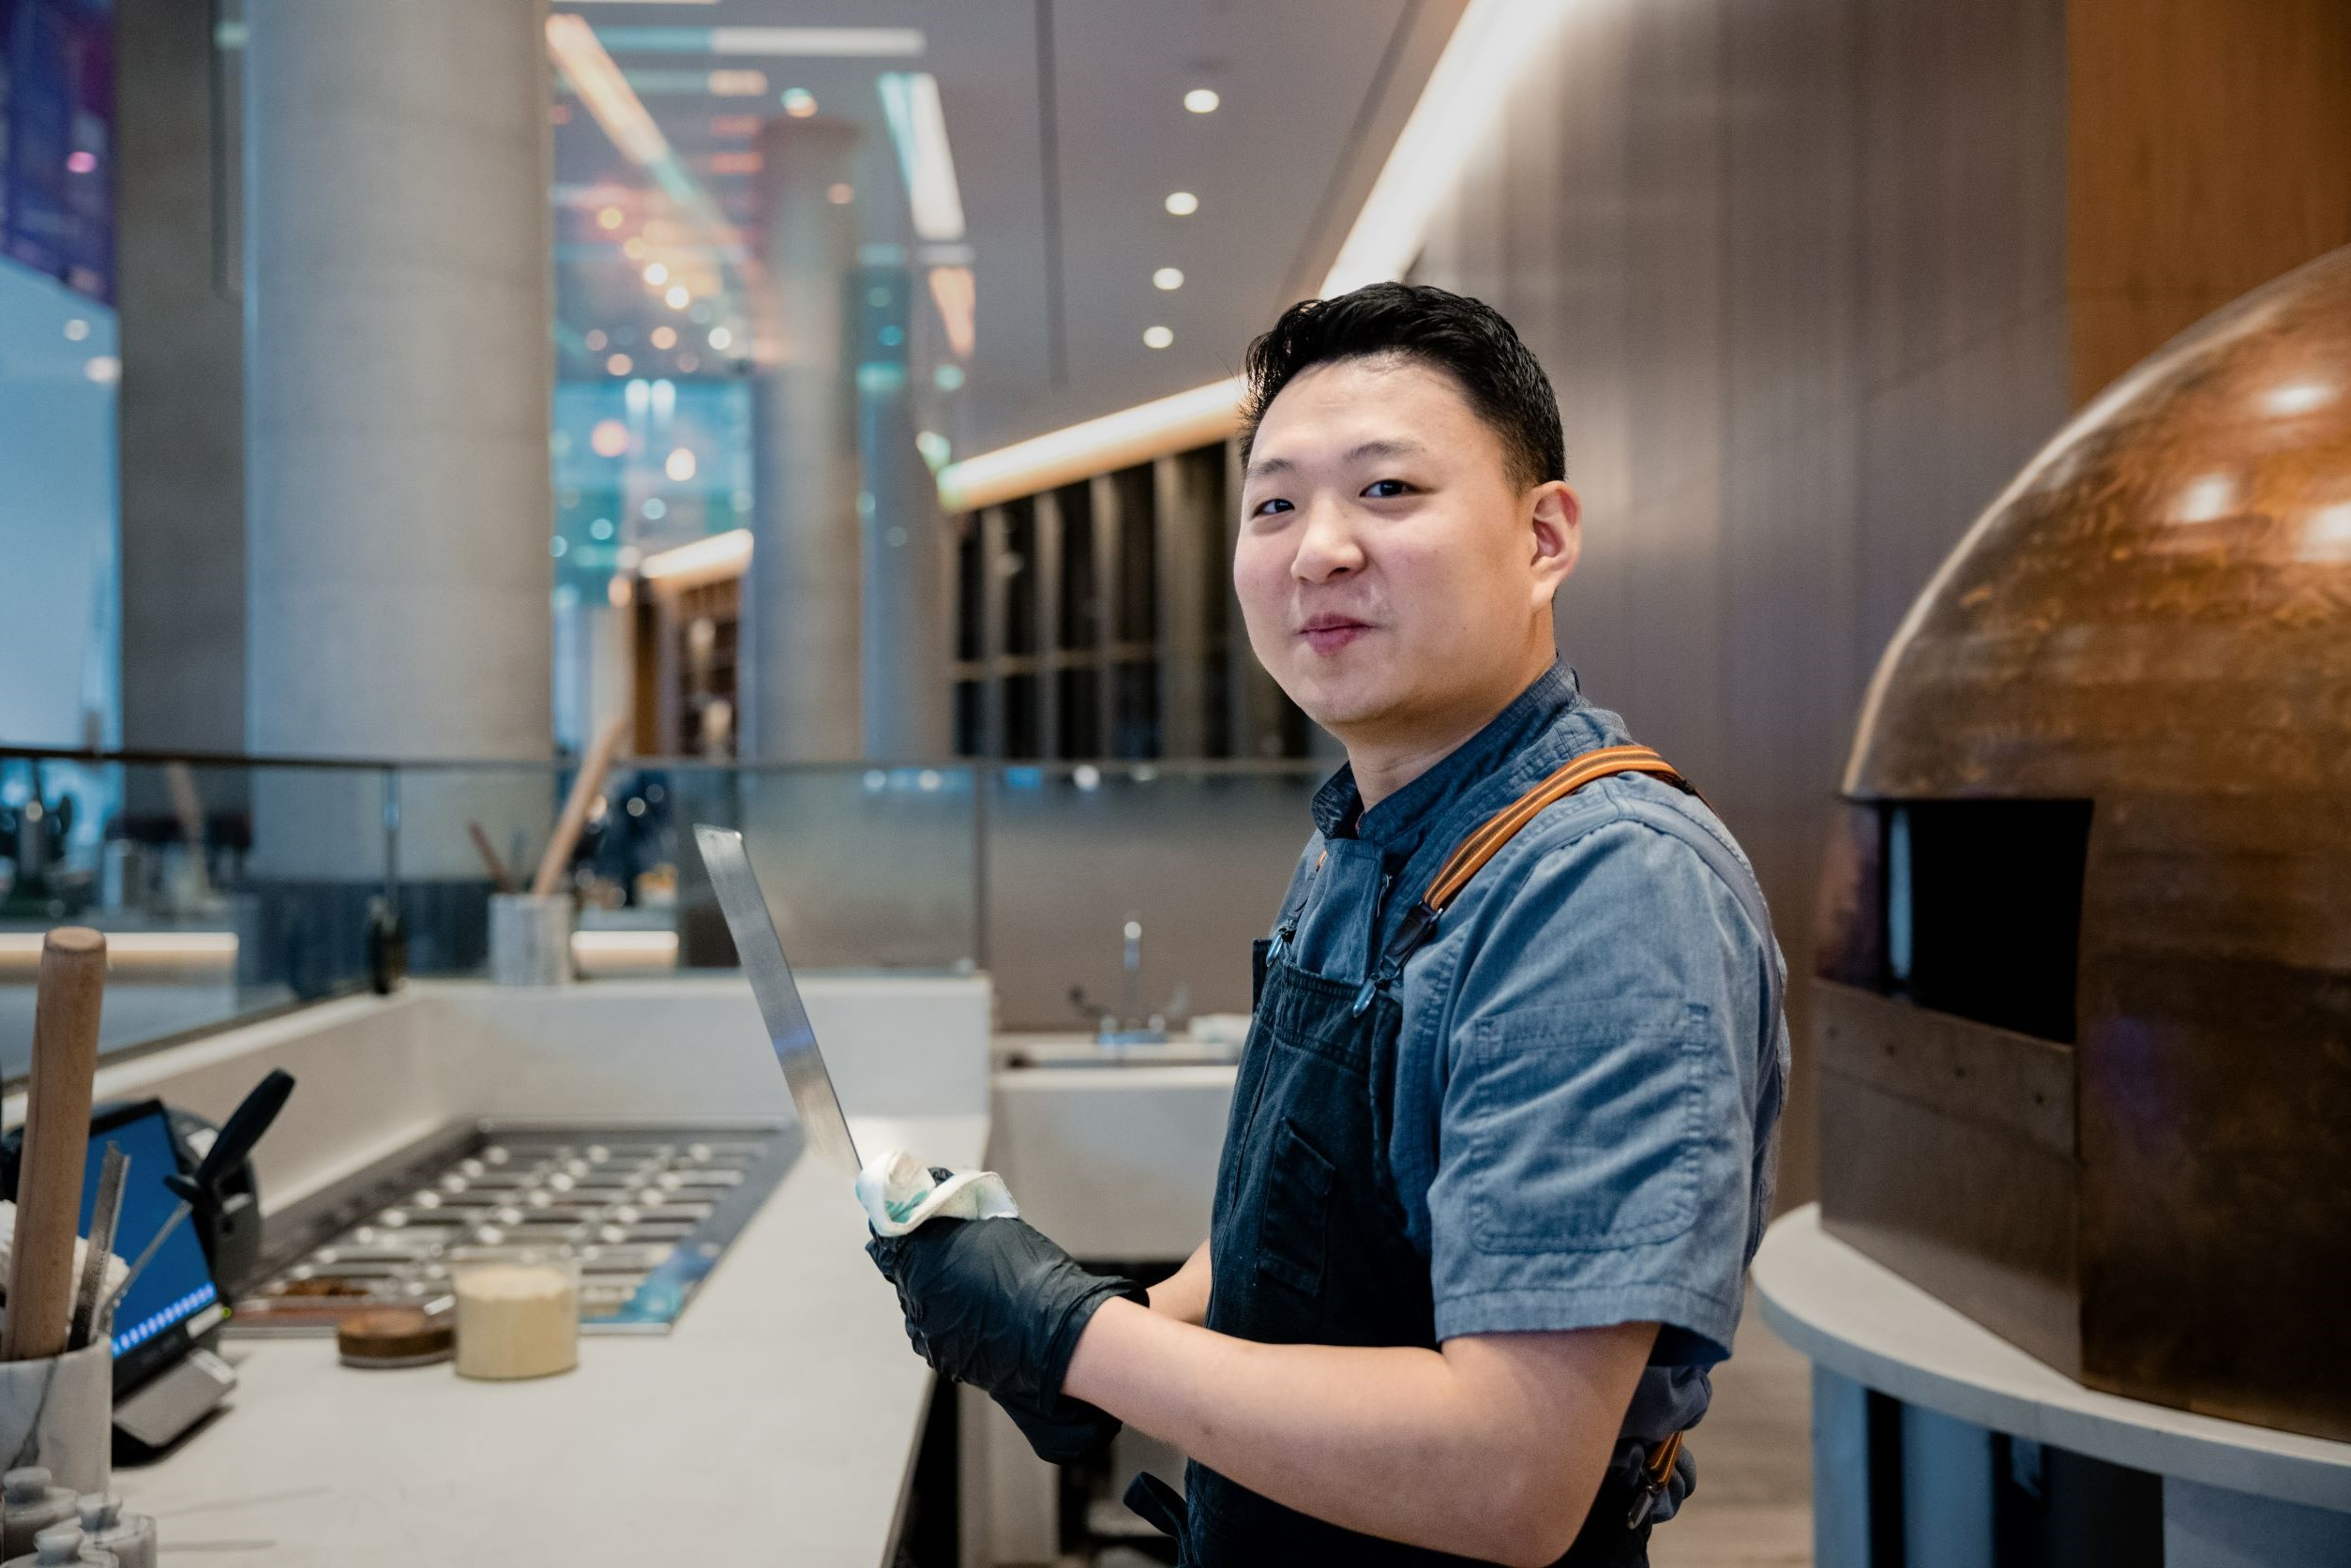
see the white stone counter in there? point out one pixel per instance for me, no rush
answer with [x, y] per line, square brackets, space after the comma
[2234, 1496]
[777, 1422]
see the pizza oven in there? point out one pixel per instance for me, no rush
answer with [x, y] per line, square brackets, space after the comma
[2083, 1009]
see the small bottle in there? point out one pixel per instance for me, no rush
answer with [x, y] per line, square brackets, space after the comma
[62, 1546]
[130, 1537]
[28, 1505]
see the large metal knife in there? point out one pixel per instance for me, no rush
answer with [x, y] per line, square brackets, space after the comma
[787, 1027]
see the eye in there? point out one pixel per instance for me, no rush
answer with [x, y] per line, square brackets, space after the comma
[1267, 509]
[1387, 490]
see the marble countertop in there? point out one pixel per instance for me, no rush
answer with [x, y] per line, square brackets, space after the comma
[1859, 1319]
[778, 1424]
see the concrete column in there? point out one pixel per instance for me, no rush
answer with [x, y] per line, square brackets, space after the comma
[800, 649]
[398, 372]
[182, 412]
[903, 635]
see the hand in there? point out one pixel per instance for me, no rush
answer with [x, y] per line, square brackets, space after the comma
[1074, 1430]
[993, 1304]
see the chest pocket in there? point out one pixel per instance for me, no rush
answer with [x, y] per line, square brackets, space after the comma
[1587, 1133]
[1294, 1230]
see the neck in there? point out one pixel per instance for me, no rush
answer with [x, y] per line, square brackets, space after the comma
[1396, 755]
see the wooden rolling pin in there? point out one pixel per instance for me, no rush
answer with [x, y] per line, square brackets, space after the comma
[584, 788]
[56, 1143]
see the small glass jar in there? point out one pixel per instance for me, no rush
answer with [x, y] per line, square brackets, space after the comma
[518, 1311]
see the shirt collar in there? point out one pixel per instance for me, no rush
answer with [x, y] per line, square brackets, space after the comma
[1398, 822]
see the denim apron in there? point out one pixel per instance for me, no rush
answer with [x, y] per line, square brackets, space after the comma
[1308, 1234]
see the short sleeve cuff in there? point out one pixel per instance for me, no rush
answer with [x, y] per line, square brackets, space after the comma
[1700, 1326]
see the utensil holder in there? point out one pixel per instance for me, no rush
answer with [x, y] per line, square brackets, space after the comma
[58, 1413]
[530, 939]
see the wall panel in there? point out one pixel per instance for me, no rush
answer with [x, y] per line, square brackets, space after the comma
[1805, 316]
[2210, 146]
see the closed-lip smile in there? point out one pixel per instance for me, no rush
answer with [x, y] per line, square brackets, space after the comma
[1327, 634]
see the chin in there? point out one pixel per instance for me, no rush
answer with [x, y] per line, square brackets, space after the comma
[1340, 701]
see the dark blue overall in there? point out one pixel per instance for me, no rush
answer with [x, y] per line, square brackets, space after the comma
[1308, 1236]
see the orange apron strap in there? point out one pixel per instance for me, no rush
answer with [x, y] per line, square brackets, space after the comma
[1470, 855]
[1487, 841]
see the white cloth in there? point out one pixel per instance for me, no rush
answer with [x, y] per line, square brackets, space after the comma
[116, 1270]
[899, 1193]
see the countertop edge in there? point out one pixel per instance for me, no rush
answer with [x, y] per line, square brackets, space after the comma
[1859, 1318]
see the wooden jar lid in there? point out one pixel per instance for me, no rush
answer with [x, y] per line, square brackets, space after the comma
[393, 1336]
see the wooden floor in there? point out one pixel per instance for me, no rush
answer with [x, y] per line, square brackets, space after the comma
[1752, 1506]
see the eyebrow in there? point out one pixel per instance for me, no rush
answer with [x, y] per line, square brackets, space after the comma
[1262, 466]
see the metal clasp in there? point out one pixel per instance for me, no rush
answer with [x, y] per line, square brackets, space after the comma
[1654, 1475]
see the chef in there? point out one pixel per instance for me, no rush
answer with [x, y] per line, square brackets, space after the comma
[1504, 1132]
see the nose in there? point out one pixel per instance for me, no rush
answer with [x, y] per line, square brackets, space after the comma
[1327, 546]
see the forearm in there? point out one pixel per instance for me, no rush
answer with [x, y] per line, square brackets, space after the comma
[1183, 1294]
[1452, 1451]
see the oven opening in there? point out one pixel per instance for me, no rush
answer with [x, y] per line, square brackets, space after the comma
[1969, 907]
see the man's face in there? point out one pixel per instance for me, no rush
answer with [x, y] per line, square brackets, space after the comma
[1393, 572]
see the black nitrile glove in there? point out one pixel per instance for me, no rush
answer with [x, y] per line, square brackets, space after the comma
[1076, 1431]
[993, 1304]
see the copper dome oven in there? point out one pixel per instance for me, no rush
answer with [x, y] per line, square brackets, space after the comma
[2084, 1004]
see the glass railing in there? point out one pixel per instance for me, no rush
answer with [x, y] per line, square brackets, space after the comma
[1123, 893]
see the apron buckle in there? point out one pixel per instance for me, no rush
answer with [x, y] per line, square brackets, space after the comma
[1649, 1488]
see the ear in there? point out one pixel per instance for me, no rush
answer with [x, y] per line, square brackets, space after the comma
[1557, 528]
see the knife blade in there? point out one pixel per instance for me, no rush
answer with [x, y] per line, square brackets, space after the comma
[786, 1017]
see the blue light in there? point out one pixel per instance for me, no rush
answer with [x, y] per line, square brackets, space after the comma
[156, 1323]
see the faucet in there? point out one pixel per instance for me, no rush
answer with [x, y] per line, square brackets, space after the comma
[1128, 1026]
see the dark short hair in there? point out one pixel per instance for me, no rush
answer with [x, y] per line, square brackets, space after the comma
[1466, 339]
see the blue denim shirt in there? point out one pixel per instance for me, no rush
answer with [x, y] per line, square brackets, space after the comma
[1587, 1095]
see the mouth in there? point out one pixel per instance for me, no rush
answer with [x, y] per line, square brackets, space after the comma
[1328, 634]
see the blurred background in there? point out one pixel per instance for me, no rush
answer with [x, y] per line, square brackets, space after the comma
[833, 402]
[836, 395]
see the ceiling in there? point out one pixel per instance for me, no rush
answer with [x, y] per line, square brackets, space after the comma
[1068, 130]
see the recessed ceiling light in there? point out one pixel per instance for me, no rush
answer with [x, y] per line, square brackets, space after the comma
[1202, 100]
[664, 337]
[610, 218]
[619, 365]
[656, 274]
[679, 296]
[799, 102]
[1183, 202]
[1168, 277]
[1157, 336]
[720, 338]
